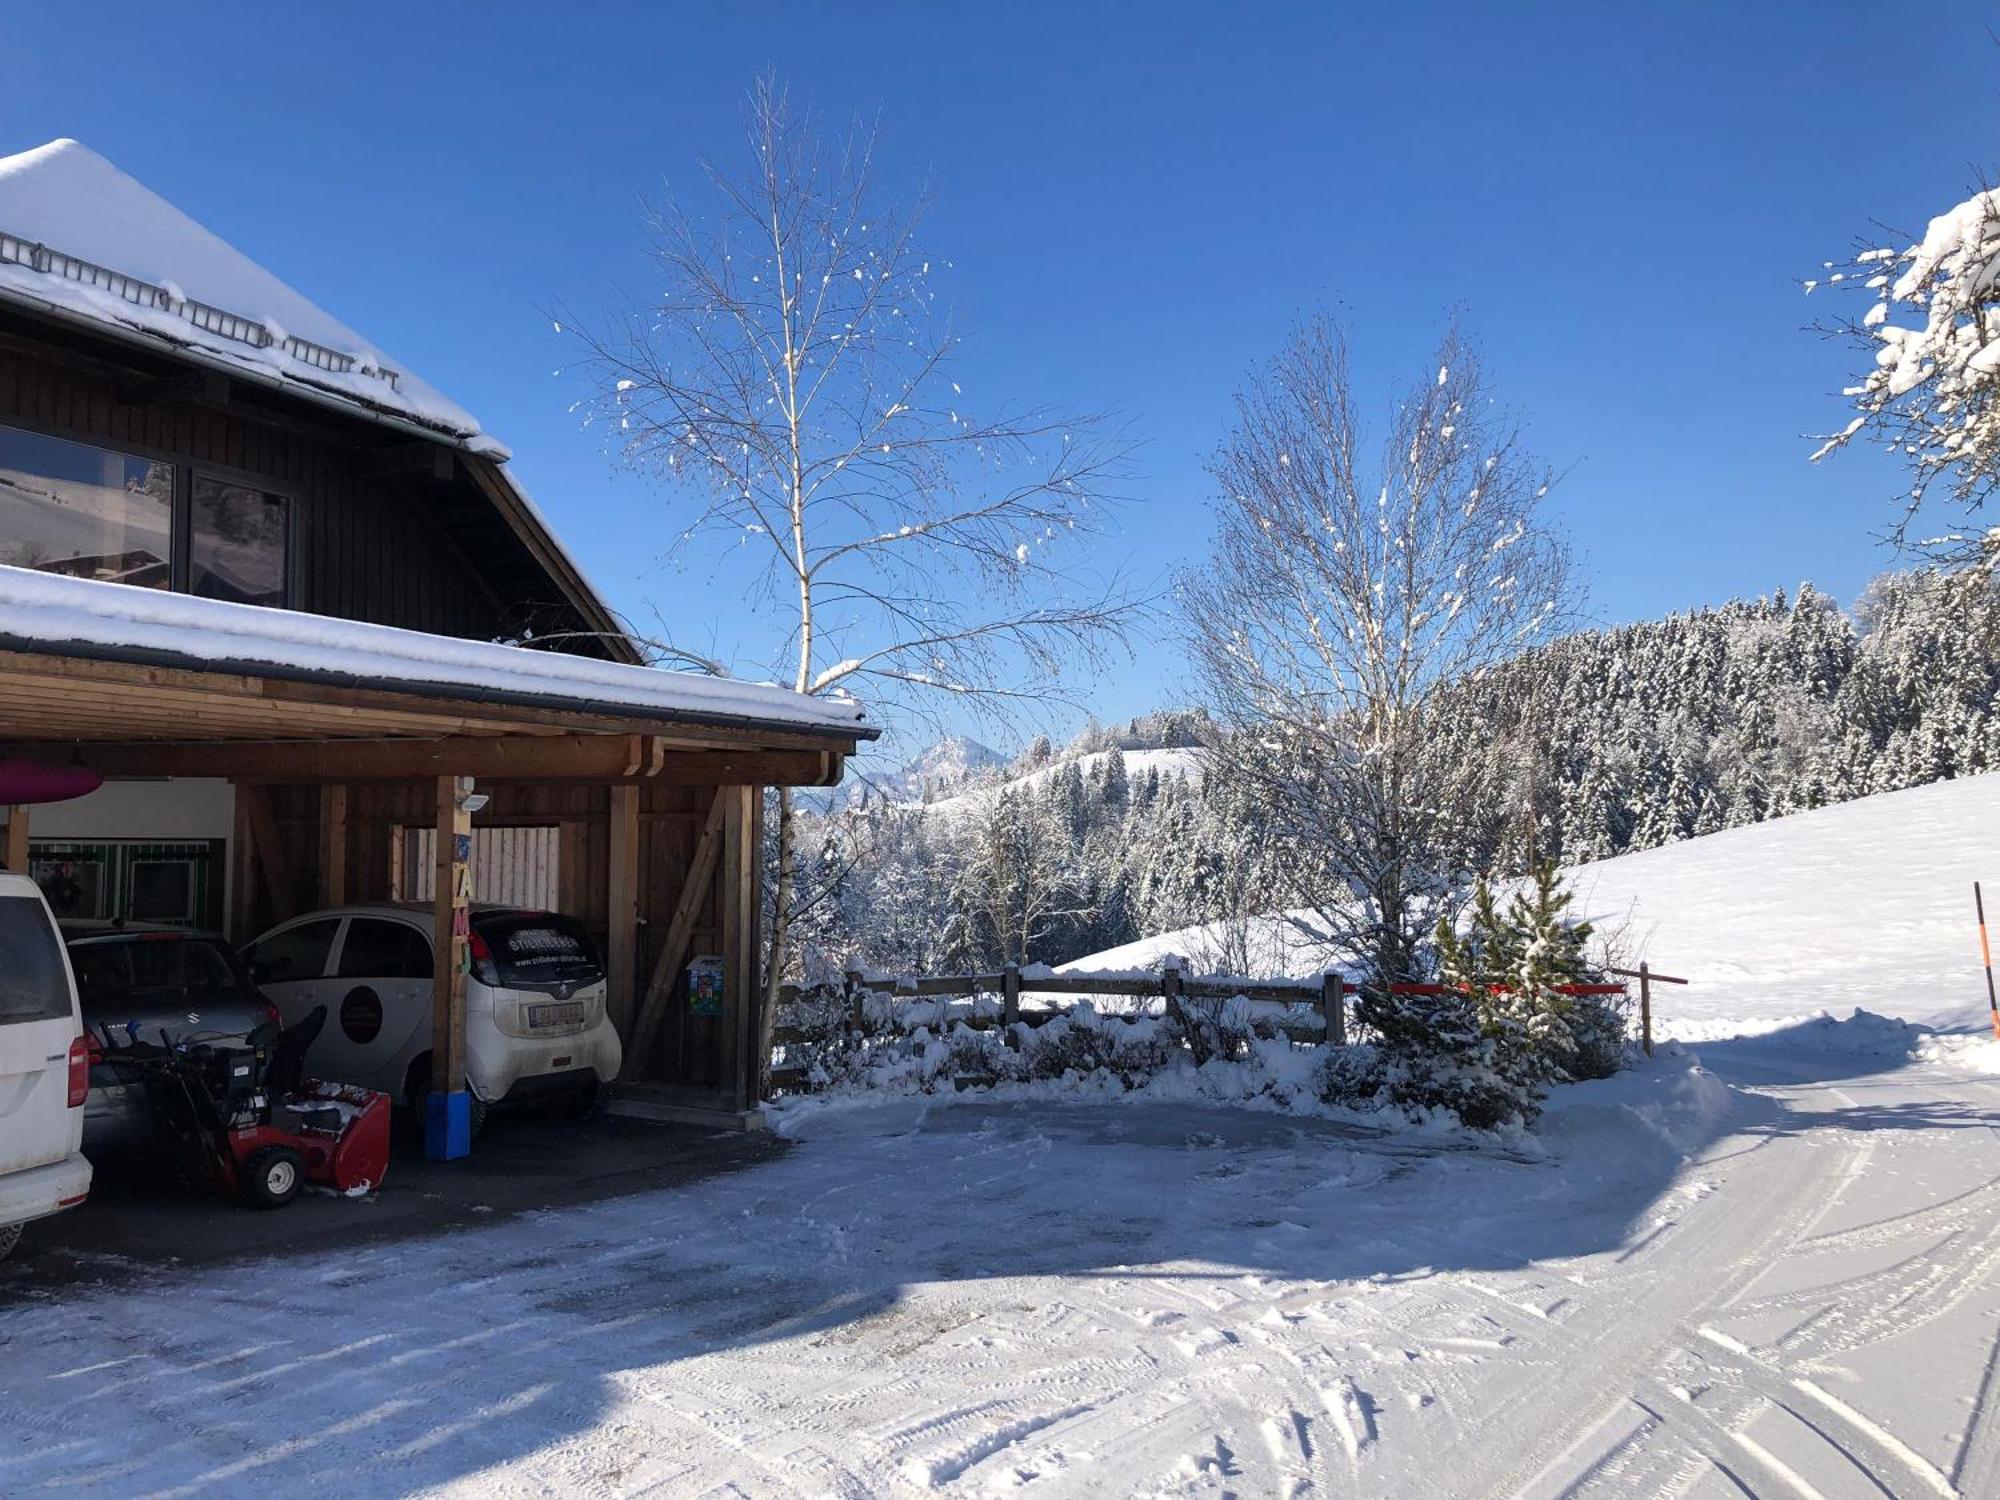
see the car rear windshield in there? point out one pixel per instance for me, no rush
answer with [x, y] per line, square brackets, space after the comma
[33, 986]
[123, 973]
[538, 948]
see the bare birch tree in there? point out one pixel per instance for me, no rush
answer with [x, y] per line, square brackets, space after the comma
[797, 376]
[1345, 587]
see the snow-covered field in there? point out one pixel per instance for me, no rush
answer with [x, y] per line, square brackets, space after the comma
[1774, 1271]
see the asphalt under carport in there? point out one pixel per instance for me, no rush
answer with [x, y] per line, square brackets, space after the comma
[140, 1220]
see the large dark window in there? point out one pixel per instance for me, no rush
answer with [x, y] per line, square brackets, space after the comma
[69, 508]
[236, 543]
[93, 513]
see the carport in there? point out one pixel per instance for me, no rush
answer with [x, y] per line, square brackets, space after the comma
[355, 750]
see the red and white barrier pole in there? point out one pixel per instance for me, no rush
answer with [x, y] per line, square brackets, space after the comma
[1986, 958]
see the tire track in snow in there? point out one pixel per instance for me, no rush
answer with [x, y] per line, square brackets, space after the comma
[1616, 1346]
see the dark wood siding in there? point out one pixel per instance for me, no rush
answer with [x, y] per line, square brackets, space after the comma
[363, 548]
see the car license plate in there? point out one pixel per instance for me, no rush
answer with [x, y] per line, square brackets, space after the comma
[568, 1013]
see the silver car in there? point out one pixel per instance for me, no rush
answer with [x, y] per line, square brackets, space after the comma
[139, 978]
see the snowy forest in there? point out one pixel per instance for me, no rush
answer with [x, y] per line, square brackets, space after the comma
[1599, 743]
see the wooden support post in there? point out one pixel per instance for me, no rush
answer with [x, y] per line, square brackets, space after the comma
[857, 1006]
[736, 913]
[1646, 1007]
[17, 837]
[1010, 994]
[622, 921]
[333, 845]
[1333, 1008]
[448, 1110]
[1170, 985]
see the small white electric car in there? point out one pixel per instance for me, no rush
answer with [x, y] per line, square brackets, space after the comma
[535, 1021]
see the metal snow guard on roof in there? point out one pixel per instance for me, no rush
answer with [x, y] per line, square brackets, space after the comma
[36, 256]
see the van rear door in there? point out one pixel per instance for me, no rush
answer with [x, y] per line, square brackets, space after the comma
[38, 1022]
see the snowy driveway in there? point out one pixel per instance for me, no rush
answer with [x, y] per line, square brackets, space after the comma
[982, 1298]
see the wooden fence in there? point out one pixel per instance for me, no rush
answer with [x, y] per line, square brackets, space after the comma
[1327, 994]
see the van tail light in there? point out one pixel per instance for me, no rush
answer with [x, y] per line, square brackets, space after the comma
[272, 1013]
[79, 1073]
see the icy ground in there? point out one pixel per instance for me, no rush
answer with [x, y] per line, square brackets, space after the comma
[1770, 1273]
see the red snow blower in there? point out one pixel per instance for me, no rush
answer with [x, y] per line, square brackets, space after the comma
[245, 1120]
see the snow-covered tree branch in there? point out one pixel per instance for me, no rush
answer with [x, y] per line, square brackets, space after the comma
[1932, 334]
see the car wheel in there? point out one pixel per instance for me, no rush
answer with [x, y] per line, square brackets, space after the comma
[271, 1178]
[10, 1236]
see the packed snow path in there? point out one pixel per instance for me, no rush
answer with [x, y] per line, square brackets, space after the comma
[1786, 1289]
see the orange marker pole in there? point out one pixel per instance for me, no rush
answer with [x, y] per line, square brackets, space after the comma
[1986, 958]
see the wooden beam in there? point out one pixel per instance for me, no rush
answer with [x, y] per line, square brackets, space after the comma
[696, 886]
[622, 921]
[17, 837]
[528, 529]
[451, 928]
[333, 844]
[558, 757]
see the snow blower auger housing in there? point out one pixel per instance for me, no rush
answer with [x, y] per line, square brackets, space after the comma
[245, 1121]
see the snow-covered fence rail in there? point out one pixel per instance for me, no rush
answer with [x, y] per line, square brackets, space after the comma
[1315, 1008]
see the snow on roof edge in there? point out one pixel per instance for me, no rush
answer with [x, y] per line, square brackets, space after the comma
[54, 611]
[79, 232]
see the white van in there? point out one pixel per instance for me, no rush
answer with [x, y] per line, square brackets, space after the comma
[44, 1066]
[535, 1019]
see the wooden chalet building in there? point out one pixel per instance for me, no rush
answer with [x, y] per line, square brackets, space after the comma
[255, 574]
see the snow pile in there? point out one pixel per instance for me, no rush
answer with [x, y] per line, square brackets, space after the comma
[50, 610]
[68, 198]
[1671, 1096]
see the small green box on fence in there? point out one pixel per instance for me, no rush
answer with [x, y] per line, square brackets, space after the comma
[705, 986]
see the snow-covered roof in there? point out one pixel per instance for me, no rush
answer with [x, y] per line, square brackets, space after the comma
[81, 238]
[82, 616]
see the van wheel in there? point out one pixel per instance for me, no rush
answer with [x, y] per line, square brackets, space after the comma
[271, 1178]
[10, 1236]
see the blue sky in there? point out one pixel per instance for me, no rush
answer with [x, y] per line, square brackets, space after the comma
[1137, 201]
